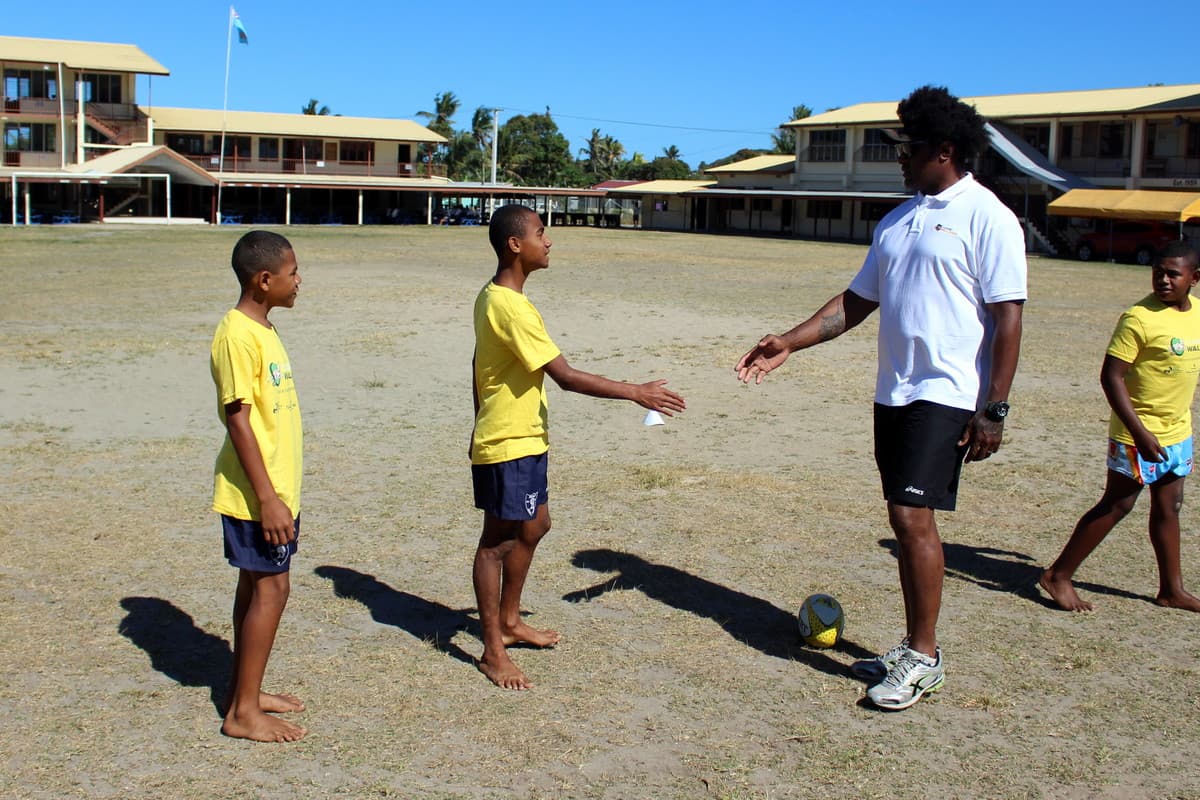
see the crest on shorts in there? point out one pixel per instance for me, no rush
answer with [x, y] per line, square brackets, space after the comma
[531, 503]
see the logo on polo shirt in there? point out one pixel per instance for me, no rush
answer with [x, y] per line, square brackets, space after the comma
[276, 373]
[945, 229]
[1177, 346]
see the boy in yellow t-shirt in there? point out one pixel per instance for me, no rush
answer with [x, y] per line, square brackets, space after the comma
[509, 443]
[1149, 377]
[256, 485]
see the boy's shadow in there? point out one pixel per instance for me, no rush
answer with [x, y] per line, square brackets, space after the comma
[432, 623]
[1005, 571]
[176, 647]
[750, 620]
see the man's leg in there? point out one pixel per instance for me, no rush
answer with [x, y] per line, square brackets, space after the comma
[1166, 498]
[1120, 494]
[516, 569]
[922, 566]
[258, 607]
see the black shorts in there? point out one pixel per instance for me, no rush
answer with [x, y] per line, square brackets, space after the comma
[246, 547]
[918, 455]
[512, 490]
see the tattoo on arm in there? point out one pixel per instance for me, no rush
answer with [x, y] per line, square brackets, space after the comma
[832, 325]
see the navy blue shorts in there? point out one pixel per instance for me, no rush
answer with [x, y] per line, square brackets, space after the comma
[247, 548]
[918, 455]
[512, 490]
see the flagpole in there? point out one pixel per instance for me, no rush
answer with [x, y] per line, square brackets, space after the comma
[224, 112]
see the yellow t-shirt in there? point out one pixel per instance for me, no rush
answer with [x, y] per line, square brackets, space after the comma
[250, 364]
[511, 348]
[1162, 346]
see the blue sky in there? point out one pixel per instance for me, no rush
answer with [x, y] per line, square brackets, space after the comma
[707, 77]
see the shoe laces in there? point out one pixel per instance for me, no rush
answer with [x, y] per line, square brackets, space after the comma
[899, 673]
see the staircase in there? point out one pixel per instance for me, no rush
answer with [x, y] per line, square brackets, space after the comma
[118, 131]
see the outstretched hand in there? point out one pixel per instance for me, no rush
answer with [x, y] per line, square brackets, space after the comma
[770, 352]
[657, 397]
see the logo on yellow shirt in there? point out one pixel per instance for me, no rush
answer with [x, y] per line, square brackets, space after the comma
[277, 373]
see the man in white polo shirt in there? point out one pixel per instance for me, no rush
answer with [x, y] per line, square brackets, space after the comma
[946, 270]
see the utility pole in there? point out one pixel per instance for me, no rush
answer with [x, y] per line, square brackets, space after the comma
[495, 142]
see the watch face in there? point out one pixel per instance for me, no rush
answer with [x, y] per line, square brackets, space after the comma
[996, 411]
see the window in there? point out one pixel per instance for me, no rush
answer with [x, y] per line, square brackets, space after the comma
[188, 144]
[357, 152]
[662, 205]
[1193, 140]
[331, 151]
[30, 137]
[1066, 141]
[873, 212]
[405, 155]
[268, 149]
[827, 146]
[99, 87]
[760, 204]
[734, 203]
[30, 83]
[824, 209]
[1112, 141]
[237, 147]
[875, 149]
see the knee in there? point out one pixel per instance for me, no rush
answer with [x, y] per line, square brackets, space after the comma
[273, 589]
[911, 524]
[536, 528]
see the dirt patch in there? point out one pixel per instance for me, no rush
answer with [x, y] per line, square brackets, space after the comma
[678, 557]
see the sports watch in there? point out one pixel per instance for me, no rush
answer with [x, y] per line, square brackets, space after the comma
[996, 410]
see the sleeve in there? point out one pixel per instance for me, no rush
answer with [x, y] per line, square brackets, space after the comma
[866, 282]
[235, 368]
[1127, 340]
[523, 331]
[1000, 256]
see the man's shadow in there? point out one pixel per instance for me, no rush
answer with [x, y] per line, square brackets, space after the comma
[1005, 571]
[177, 647]
[750, 620]
[432, 623]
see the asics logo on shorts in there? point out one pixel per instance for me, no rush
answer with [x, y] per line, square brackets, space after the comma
[915, 490]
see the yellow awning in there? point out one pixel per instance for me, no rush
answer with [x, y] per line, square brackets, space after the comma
[1133, 204]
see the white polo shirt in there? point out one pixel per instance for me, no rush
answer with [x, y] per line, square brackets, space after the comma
[933, 264]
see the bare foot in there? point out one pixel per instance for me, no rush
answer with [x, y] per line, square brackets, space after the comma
[503, 672]
[524, 634]
[1063, 593]
[260, 727]
[281, 703]
[1182, 600]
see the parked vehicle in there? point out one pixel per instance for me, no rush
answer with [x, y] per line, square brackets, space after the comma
[1129, 241]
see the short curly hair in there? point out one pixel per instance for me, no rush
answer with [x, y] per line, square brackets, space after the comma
[934, 115]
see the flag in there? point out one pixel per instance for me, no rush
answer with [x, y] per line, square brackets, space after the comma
[241, 29]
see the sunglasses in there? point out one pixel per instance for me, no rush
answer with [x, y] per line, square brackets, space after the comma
[905, 149]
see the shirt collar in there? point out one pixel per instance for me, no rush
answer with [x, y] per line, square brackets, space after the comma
[949, 193]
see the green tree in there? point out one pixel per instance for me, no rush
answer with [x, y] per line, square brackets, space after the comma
[441, 119]
[785, 139]
[314, 109]
[535, 153]
[602, 156]
[671, 153]
[661, 168]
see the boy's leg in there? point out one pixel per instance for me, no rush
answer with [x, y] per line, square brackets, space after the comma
[502, 563]
[516, 569]
[276, 703]
[263, 596]
[1120, 494]
[495, 544]
[1166, 498]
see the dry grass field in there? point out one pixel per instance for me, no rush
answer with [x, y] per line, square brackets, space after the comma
[678, 557]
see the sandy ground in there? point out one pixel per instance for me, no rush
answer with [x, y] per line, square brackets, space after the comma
[678, 557]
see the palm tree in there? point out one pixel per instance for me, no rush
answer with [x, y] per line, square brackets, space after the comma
[445, 106]
[672, 153]
[785, 139]
[481, 130]
[313, 110]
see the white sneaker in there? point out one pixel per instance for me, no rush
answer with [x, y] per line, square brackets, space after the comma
[874, 669]
[908, 680]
